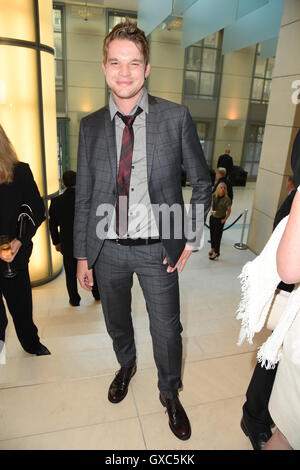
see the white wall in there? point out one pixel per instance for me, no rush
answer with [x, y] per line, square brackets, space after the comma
[167, 65]
[85, 81]
[234, 102]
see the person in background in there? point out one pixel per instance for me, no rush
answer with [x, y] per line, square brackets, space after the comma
[256, 421]
[225, 161]
[285, 397]
[221, 178]
[61, 222]
[220, 211]
[18, 187]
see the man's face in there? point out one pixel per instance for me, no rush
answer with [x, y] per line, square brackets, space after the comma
[125, 69]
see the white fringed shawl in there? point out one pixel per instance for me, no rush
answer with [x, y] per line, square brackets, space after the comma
[259, 280]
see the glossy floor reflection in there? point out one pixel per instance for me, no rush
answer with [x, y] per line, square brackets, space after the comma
[60, 401]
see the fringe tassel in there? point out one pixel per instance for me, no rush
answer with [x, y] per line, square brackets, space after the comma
[267, 362]
[243, 307]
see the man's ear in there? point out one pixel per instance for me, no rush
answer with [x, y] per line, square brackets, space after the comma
[103, 66]
[147, 71]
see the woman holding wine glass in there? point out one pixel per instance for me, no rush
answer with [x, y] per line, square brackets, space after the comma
[17, 187]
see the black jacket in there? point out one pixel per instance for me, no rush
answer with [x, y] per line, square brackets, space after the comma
[225, 161]
[61, 220]
[284, 209]
[295, 160]
[23, 190]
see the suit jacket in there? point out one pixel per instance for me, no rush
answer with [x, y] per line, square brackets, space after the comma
[61, 222]
[23, 190]
[171, 140]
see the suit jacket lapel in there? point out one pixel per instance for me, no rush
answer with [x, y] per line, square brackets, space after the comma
[151, 133]
[111, 142]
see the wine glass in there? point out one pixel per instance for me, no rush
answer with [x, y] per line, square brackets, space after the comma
[5, 249]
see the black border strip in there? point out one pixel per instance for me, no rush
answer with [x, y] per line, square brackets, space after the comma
[29, 44]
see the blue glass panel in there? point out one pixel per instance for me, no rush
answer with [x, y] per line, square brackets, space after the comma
[178, 7]
[206, 17]
[268, 48]
[247, 6]
[258, 26]
[152, 13]
[188, 3]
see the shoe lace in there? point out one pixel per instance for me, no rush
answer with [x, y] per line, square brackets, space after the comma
[121, 377]
[171, 408]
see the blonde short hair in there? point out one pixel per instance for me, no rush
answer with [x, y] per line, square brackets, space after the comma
[219, 186]
[222, 170]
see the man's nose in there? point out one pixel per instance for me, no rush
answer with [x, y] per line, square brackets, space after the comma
[124, 70]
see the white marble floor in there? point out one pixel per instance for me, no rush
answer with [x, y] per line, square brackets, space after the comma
[60, 401]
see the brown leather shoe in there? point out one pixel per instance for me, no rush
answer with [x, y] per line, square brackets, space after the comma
[178, 420]
[119, 386]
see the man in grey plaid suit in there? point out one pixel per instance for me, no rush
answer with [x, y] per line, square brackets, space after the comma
[164, 138]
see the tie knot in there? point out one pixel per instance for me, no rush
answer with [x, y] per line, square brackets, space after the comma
[129, 120]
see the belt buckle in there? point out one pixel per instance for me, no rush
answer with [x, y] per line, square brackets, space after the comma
[118, 241]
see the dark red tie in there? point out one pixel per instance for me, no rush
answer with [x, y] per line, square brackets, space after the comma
[124, 172]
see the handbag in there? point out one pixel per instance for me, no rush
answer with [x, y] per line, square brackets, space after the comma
[25, 218]
[277, 308]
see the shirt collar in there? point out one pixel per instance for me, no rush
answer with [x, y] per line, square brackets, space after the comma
[142, 102]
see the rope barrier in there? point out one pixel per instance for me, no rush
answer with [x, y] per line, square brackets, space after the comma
[241, 245]
[229, 226]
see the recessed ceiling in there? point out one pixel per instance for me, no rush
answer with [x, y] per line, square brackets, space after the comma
[122, 4]
[131, 5]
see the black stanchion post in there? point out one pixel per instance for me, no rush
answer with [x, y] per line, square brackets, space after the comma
[241, 245]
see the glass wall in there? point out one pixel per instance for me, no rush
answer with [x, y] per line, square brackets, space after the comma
[262, 78]
[205, 132]
[252, 149]
[259, 100]
[203, 68]
[201, 88]
[62, 122]
[59, 42]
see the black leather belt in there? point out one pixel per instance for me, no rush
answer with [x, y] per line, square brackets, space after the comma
[135, 241]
